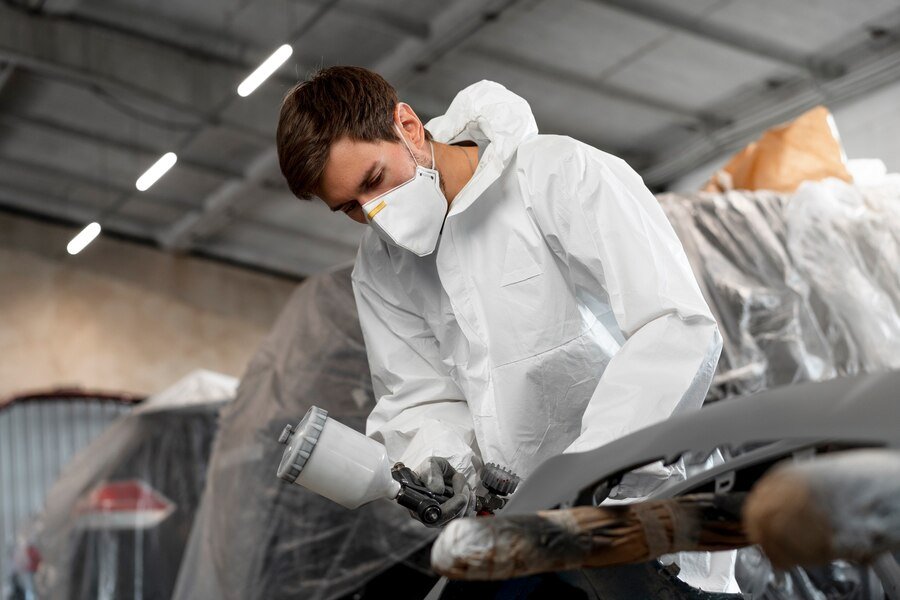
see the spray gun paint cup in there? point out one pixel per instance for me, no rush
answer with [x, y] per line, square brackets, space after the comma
[335, 461]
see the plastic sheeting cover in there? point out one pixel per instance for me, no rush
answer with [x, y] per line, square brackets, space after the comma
[846, 241]
[165, 450]
[804, 287]
[258, 537]
[197, 388]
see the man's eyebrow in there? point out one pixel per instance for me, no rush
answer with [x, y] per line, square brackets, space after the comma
[366, 178]
[360, 188]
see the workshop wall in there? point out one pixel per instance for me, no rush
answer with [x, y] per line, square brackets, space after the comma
[121, 316]
[870, 127]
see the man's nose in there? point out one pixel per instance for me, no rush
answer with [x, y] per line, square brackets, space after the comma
[366, 196]
[357, 214]
[364, 199]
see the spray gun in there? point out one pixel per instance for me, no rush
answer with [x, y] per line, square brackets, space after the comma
[343, 465]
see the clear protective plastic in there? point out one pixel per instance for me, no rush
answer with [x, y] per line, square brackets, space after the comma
[116, 522]
[258, 537]
[805, 287]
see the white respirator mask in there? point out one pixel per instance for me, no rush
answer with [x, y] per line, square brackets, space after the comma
[410, 215]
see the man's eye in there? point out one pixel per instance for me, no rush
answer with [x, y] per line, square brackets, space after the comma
[375, 181]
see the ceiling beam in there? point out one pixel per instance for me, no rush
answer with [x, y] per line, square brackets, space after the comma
[6, 72]
[451, 26]
[667, 15]
[124, 64]
[77, 213]
[556, 76]
[213, 115]
[280, 251]
[394, 22]
[302, 254]
[218, 208]
[68, 132]
[868, 69]
[203, 41]
[250, 180]
[467, 17]
[56, 175]
[59, 6]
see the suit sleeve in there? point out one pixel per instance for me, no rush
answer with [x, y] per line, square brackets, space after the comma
[420, 411]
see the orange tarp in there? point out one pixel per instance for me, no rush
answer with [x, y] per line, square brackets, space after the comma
[807, 148]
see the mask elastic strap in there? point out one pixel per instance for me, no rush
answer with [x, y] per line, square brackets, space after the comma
[408, 149]
[405, 143]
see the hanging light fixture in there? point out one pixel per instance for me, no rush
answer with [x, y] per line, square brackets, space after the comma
[159, 168]
[84, 237]
[265, 70]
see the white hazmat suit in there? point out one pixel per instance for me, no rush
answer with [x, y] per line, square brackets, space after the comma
[558, 312]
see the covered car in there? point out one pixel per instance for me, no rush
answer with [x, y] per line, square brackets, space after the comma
[117, 520]
[257, 537]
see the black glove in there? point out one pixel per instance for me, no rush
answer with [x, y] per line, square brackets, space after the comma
[440, 477]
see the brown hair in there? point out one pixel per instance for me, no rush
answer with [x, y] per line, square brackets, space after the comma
[335, 102]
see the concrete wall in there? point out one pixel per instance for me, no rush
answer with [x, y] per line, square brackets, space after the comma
[121, 316]
[869, 128]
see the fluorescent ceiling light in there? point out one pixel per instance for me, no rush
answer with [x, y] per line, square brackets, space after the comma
[85, 237]
[263, 71]
[158, 169]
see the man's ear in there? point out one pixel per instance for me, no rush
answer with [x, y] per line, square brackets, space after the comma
[406, 118]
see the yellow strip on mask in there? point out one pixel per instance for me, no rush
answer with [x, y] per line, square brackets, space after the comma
[377, 209]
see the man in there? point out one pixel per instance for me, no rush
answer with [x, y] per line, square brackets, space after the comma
[521, 295]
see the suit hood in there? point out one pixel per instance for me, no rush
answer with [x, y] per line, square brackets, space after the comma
[493, 117]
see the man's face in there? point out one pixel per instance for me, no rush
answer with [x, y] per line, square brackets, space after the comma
[356, 172]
